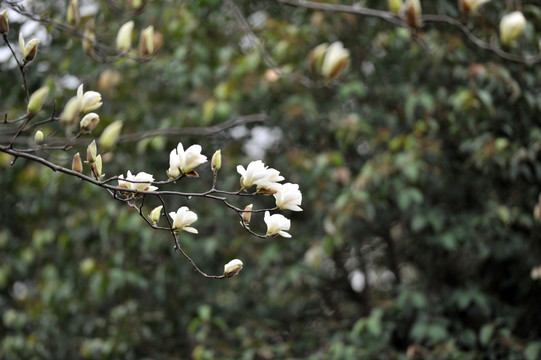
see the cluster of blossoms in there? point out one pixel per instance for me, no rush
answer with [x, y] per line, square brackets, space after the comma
[183, 162]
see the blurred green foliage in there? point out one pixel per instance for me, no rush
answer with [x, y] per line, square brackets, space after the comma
[419, 171]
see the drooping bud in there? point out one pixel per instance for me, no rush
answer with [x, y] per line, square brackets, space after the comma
[146, 41]
[4, 22]
[155, 214]
[89, 37]
[468, 7]
[216, 162]
[89, 122]
[511, 26]
[91, 152]
[72, 14]
[71, 111]
[97, 167]
[38, 137]
[247, 214]
[36, 100]
[336, 60]
[394, 5]
[28, 50]
[123, 38]
[316, 56]
[110, 134]
[76, 163]
[232, 268]
[413, 13]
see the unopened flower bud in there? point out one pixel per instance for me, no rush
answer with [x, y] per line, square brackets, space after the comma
[110, 134]
[38, 137]
[155, 214]
[511, 26]
[232, 268]
[394, 5]
[247, 215]
[413, 13]
[4, 22]
[146, 42]
[468, 7]
[36, 100]
[97, 167]
[71, 111]
[76, 163]
[123, 38]
[72, 14]
[336, 60]
[28, 50]
[89, 121]
[89, 37]
[91, 152]
[216, 162]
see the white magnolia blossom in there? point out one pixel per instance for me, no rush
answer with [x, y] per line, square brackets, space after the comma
[184, 161]
[277, 224]
[232, 268]
[29, 49]
[256, 173]
[511, 26]
[123, 37]
[182, 219]
[90, 100]
[140, 182]
[288, 197]
[335, 61]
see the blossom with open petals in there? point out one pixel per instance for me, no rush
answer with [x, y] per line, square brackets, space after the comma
[184, 161]
[256, 173]
[90, 100]
[28, 50]
[232, 268]
[288, 197]
[182, 219]
[277, 224]
[140, 182]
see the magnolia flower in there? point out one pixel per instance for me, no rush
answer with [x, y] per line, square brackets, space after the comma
[182, 219]
[110, 134]
[277, 224]
[470, 6]
[155, 214]
[216, 161]
[91, 152]
[413, 13]
[36, 100]
[72, 14]
[123, 38]
[394, 5]
[29, 50]
[89, 121]
[90, 100]
[184, 162]
[336, 60]
[316, 56]
[76, 163]
[288, 197]
[256, 173]
[71, 111]
[146, 41]
[247, 214]
[232, 268]
[511, 26]
[140, 182]
[38, 137]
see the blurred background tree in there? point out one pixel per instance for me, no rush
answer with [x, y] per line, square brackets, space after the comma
[419, 168]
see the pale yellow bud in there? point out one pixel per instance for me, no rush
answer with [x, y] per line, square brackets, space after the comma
[123, 38]
[72, 14]
[232, 268]
[146, 42]
[76, 163]
[4, 22]
[38, 137]
[97, 167]
[413, 13]
[36, 100]
[91, 152]
[28, 50]
[110, 134]
[511, 27]
[155, 214]
[89, 122]
[247, 215]
[316, 56]
[216, 162]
